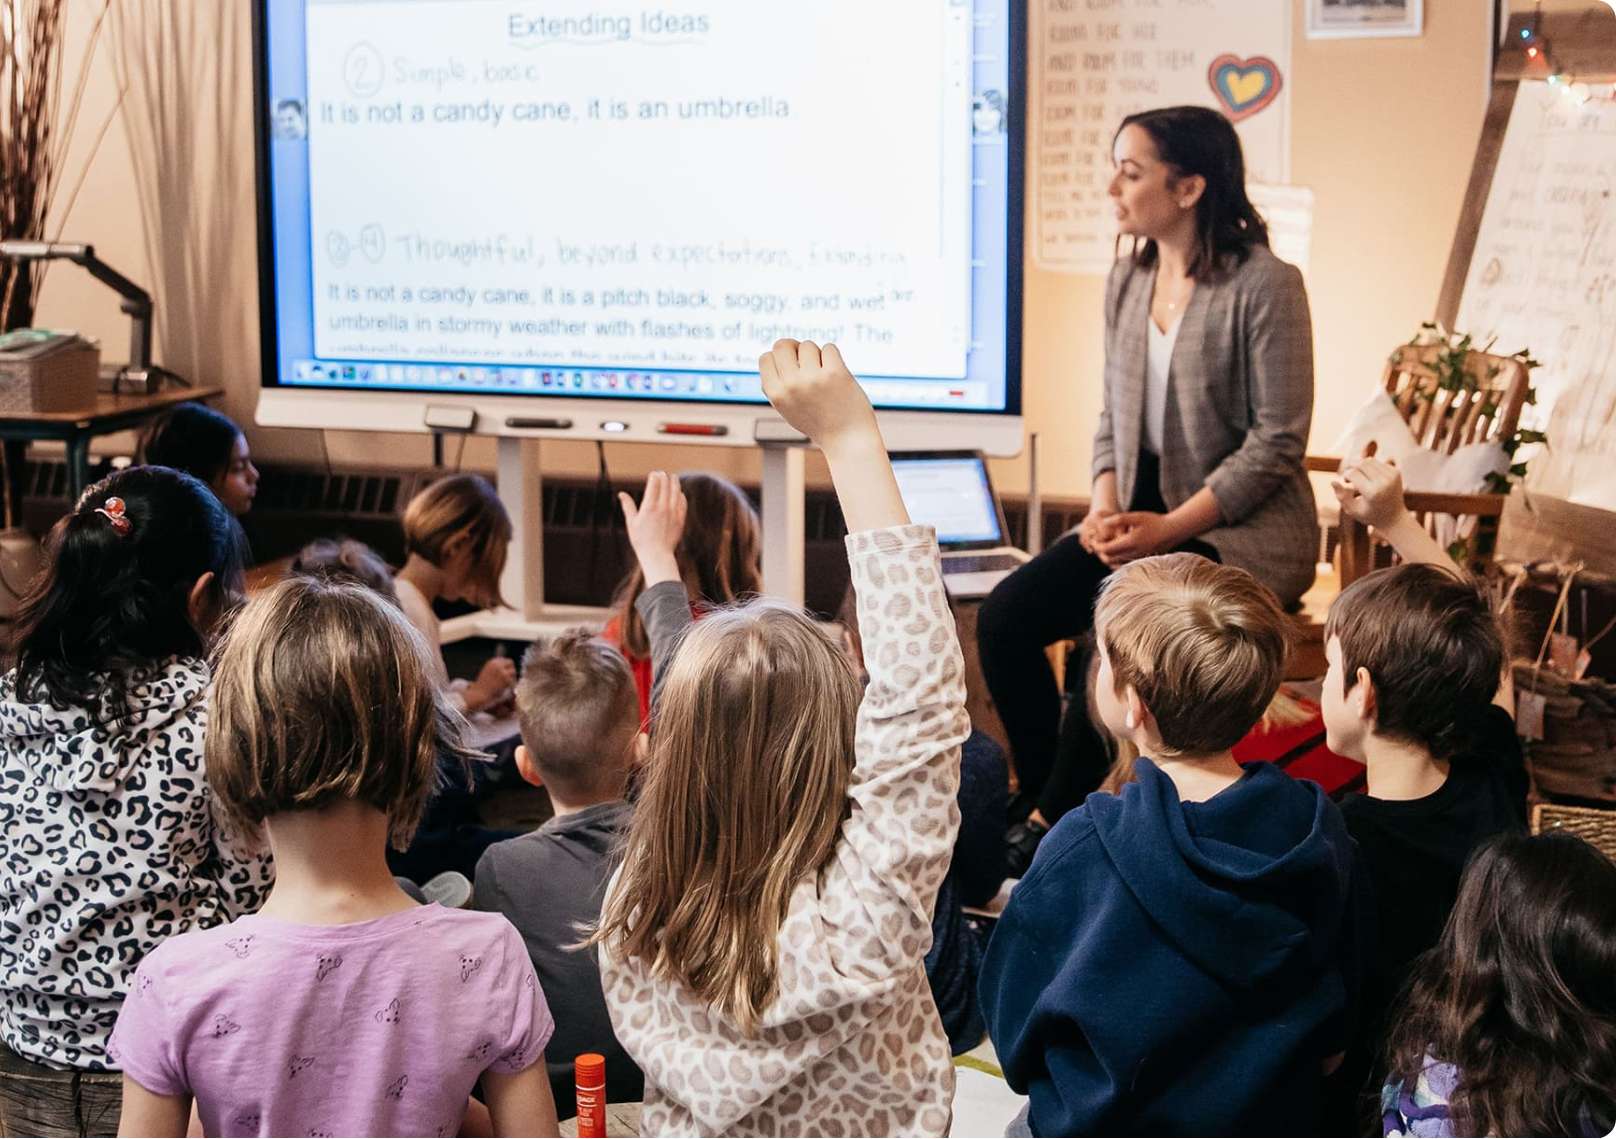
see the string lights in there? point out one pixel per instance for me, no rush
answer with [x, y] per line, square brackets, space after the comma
[1535, 46]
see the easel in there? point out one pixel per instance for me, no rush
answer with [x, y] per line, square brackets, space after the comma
[1575, 53]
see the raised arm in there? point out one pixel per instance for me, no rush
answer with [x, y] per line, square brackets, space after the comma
[654, 529]
[899, 834]
[813, 390]
[1371, 491]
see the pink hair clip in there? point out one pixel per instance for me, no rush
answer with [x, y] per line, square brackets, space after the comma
[113, 511]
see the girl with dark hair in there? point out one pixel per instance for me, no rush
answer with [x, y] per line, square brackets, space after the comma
[1508, 1026]
[207, 444]
[1207, 405]
[720, 557]
[108, 841]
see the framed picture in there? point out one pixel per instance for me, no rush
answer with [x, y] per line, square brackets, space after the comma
[1345, 19]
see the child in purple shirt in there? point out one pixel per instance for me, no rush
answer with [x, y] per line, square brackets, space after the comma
[343, 1007]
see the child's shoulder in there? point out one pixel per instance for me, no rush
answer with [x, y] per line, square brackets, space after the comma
[468, 927]
[187, 951]
[1063, 850]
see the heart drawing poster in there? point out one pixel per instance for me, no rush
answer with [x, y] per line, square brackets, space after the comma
[1244, 86]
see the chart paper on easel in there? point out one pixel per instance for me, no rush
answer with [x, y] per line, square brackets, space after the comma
[1543, 278]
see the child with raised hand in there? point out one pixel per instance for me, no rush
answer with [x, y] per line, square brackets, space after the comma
[718, 554]
[1181, 957]
[1508, 1026]
[762, 945]
[109, 842]
[342, 1007]
[1414, 691]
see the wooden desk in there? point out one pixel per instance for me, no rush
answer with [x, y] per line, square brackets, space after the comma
[76, 428]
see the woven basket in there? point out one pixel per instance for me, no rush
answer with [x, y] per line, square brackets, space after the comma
[1576, 758]
[1593, 826]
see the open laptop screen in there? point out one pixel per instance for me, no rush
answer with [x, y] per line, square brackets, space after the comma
[951, 493]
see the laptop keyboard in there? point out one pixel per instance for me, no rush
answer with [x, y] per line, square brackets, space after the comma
[967, 563]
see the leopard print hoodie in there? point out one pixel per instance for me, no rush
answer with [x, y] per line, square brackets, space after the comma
[108, 846]
[852, 1044]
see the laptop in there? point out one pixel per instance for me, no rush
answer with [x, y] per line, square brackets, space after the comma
[951, 491]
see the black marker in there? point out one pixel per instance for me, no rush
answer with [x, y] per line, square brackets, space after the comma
[552, 424]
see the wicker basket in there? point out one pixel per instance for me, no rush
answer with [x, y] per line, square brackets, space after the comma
[46, 371]
[1576, 758]
[1593, 826]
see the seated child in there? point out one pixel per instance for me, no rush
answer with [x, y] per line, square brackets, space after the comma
[343, 559]
[108, 838]
[580, 736]
[720, 557]
[1415, 661]
[762, 944]
[1177, 960]
[456, 536]
[207, 444]
[342, 1007]
[1509, 1024]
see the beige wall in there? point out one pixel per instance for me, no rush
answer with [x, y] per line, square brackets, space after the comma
[1384, 131]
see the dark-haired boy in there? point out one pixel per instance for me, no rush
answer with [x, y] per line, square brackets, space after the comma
[580, 720]
[1415, 690]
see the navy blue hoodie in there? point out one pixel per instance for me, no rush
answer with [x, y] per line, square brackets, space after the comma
[1171, 968]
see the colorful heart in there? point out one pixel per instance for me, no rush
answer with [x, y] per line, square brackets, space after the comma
[1244, 86]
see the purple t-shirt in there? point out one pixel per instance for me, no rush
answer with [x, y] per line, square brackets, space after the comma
[375, 1028]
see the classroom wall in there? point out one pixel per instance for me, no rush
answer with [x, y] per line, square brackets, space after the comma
[1384, 133]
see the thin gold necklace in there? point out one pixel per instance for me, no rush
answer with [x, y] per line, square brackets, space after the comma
[1183, 293]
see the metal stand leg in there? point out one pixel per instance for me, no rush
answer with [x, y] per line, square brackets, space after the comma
[521, 489]
[16, 453]
[78, 467]
[784, 546]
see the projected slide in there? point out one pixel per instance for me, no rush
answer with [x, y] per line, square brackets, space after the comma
[634, 200]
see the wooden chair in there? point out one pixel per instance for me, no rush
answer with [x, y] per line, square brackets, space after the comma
[1441, 420]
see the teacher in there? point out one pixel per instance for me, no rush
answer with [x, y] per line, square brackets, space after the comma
[1199, 447]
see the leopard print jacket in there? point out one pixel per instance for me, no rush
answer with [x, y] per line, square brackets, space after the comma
[109, 844]
[853, 1044]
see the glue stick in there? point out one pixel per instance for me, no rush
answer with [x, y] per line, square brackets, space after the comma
[590, 1073]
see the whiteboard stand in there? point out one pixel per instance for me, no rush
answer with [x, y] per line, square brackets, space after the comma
[784, 512]
[525, 617]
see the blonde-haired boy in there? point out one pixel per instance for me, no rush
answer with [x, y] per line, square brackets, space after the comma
[1176, 959]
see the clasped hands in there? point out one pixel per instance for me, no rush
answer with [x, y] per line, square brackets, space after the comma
[1117, 537]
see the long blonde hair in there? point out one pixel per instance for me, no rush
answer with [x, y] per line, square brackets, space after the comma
[744, 799]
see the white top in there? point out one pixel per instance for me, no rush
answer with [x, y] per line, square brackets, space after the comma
[1158, 363]
[419, 612]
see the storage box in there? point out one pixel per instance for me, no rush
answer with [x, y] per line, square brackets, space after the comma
[47, 371]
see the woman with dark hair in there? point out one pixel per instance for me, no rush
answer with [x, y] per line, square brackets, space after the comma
[207, 444]
[1208, 401]
[1508, 1026]
[108, 842]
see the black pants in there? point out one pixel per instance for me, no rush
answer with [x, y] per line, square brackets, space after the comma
[1059, 759]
